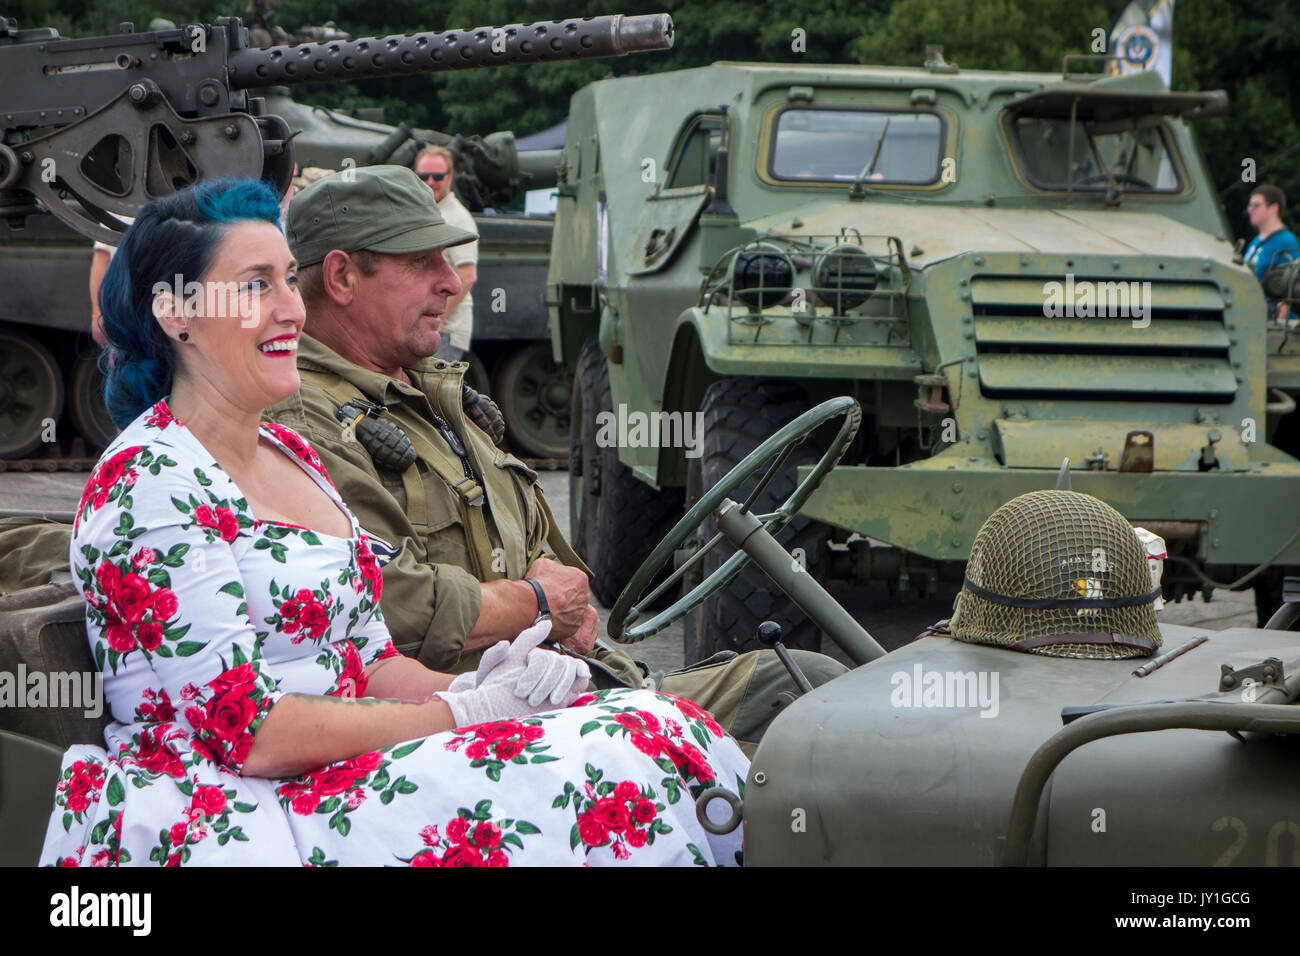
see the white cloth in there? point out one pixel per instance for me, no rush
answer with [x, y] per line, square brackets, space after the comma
[459, 326]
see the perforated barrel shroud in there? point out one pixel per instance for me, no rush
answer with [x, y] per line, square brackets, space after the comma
[1051, 565]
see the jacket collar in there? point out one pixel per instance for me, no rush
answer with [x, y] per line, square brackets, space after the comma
[429, 375]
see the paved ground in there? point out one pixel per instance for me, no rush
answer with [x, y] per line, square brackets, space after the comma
[889, 622]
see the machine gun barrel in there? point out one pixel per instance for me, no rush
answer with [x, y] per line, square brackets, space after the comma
[95, 127]
[605, 36]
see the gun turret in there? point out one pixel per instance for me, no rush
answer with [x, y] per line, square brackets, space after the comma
[95, 128]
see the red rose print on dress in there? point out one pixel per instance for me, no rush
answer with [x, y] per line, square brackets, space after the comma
[105, 478]
[155, 706]
[127, 600]
[371, 578]
[209, 814]
[471, 838]
[155, 752]
[237, 699]
[352, 678]
[219, 519]
[340, 788]
[78, 788]
[494, 745]
[161, 417]
[294, 442]
[664, 740]
[304, 613]
[623, 816]
[693, 712]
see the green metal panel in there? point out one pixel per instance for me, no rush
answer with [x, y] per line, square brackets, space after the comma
[1042, 444]
[1060, 374]
[933, 508]
[782, 349]
[883, 776]
[1005, 290]
[1100, 333]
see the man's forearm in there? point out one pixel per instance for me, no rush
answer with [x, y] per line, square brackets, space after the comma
[508, 608]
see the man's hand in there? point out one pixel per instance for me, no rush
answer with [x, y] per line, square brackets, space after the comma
[576, 622]
[583, 640]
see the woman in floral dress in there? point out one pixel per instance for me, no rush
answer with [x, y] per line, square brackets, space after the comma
[262, 716]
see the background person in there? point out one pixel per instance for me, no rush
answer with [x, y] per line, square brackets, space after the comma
[100, 257]
[1273, 244]
[436, 167]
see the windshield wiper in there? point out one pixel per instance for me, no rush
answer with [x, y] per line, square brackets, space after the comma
[856, 191]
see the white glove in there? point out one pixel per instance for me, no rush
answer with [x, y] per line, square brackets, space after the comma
[491, 658]
[514, 679]
[551, 676]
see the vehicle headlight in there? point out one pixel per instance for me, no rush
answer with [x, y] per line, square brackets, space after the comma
[845, 277]
[762, 276]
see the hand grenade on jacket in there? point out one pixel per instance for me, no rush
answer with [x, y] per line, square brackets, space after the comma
[382, 438]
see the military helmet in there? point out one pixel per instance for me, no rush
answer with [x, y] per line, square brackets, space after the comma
[1062, 574]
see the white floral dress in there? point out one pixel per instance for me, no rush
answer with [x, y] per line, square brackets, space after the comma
[201, 616]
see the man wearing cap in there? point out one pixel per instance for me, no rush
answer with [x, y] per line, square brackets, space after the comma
[464, 530]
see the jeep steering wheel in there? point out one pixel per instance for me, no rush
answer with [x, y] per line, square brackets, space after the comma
[625, 624]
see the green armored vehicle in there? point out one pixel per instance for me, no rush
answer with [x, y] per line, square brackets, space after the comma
[1003, 269]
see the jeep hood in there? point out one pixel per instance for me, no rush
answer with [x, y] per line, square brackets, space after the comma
[941, 232]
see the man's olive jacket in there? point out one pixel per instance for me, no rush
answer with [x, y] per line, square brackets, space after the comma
[440, 549]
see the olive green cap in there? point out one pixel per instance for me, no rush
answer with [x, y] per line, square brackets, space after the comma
[376, 208]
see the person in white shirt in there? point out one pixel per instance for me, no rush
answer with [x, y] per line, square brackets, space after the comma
[436, 167]
[99, 260]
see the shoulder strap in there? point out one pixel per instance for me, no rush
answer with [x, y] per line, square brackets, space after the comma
[417, 504]
[556, 541]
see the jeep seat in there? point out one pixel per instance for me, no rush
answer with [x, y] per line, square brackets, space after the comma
[43, 629]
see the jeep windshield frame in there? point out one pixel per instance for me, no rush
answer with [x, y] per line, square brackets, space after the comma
[1137, 152]
[897, 151]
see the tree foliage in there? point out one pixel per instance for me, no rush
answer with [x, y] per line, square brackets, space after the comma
[1246, 47]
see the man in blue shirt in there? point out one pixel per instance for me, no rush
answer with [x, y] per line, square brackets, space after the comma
[1275, 244]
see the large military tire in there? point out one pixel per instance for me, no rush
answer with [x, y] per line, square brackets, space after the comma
[615, 519]
[739, 413]
[533, 392]
[31, 394]
[86, 400]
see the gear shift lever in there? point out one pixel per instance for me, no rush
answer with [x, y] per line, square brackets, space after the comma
[769, 634]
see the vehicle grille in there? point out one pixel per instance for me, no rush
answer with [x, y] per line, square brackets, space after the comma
[1182, 355]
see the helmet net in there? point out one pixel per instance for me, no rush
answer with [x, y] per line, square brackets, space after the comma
[1058, 548]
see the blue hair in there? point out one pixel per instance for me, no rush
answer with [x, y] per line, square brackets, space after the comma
[173, 235]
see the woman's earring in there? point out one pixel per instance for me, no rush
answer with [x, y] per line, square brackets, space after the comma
[184, 336]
